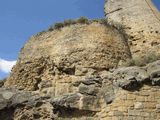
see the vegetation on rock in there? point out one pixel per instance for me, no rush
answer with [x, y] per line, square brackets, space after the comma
[83, 20]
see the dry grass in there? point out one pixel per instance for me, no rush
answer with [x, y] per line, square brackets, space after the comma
[83, 20]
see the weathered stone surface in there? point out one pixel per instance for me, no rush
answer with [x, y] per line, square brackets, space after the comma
[15, 97]
[2, 82]
[85, 99]
[108, 91]
[45, 84]
[89, 80]
[153, 69]
[72, 72]
[133, 15]
[75, 50]
[118, 113]
[92, 80]
[158, 107]
[17, 104]
[133, 113]
[90, 90]
[93, 96]
[67, 101]
[128, 77]
[138, 105]
[91, 103]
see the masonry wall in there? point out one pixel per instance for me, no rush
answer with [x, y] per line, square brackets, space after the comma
[141, 20]
[142, 104]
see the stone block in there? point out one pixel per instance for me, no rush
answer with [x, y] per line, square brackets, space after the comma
[88, 89]
[146, 87]
[158, 107]
[131, 118]
[118, 113]
[145, 93]
[118, 118]
[151, 99]
[7, 95]
[138, 105]
[106, 118]
[129, 103]
[140, 98]
[133, 113]
[149, 105]
[123, 97]
[122, 108]
[145, 114]
[131, 97]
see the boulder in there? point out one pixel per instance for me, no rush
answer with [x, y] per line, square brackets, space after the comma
[128, 77]
[153, 69]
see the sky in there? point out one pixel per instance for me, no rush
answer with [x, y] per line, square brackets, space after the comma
[20, 19]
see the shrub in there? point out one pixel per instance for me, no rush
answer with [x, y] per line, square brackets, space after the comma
[104, 21]
[68, 22]
[51, 28]
[82, 20]
[58, 25]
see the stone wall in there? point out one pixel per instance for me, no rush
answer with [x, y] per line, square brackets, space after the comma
[75, 73]
[126, 93]
[64, 55]
[142, 104]
[141, 20]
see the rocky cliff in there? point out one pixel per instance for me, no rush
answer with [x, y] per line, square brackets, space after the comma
[78, 71]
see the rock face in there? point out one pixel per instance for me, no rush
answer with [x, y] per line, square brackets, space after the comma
[23, 105]
[141, 20]
[76, 72]
[124, 93]
[62, 55]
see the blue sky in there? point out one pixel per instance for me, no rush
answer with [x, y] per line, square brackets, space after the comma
[20, 19]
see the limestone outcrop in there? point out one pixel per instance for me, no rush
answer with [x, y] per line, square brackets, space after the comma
[141, 20]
